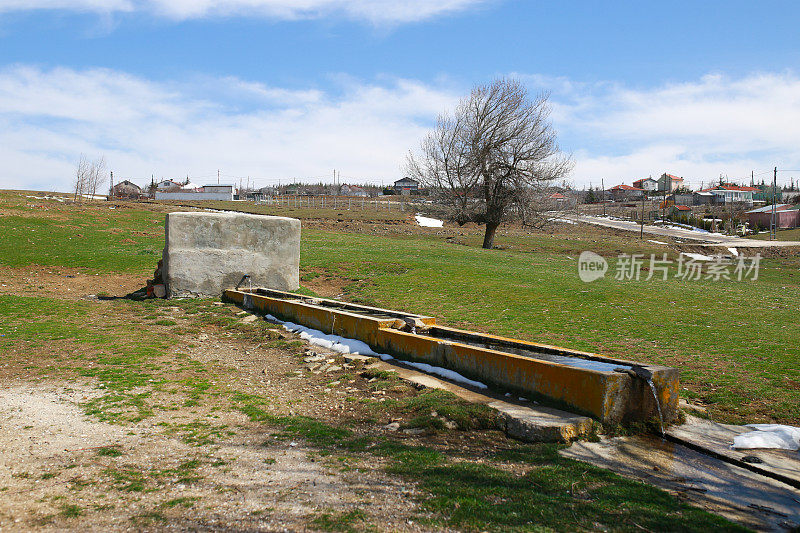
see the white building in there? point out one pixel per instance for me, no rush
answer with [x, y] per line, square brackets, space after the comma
[727, 194]
[646, 184]
[206, 192]
[167, 185]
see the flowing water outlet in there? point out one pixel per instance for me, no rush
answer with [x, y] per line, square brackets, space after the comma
[658, 404]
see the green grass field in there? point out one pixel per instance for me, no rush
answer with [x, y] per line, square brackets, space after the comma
[780, 235]
[530, 289]
[737, 343]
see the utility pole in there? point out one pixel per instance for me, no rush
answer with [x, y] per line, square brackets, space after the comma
[641, 227]
[111, 187]
[772, 226]
[603, 186]
[217, 176]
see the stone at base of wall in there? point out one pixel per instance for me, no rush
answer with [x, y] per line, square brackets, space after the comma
[542, 424]
[206, 253]
[159, 291]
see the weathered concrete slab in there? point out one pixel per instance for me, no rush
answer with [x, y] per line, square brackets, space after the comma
[206, 253]
[717, 439]
[530, 423]
[746, 497]
[542, 424]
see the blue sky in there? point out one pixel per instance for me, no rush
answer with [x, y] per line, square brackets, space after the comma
[270, 90]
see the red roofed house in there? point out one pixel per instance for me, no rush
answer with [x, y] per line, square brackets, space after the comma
[668, 182]
[625, 192]
[727, 193]
[648, 184]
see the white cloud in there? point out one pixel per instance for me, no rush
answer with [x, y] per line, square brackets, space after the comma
[48, 118]
[698, 129]
[374, 11]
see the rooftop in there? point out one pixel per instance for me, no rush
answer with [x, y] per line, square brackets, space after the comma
[731, 187]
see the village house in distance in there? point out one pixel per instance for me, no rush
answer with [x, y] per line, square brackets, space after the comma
[749, 208]
[406, 186]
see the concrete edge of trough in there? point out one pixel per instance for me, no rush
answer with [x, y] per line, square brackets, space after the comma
[529, 423]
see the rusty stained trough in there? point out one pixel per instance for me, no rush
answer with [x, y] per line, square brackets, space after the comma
[612, 390]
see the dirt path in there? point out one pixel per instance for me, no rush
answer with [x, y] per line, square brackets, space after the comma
[55, 459]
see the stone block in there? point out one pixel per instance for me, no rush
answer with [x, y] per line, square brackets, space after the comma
[206, 253]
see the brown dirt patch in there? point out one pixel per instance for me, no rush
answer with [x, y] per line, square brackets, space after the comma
[324, 283]
[65, 283]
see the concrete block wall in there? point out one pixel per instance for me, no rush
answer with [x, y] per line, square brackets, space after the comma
[206, 253]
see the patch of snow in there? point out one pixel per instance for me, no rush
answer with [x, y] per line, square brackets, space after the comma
[656, 242]
[340, 344]
[769, 436]
[699, 257]
[676, 225]
[57, 198]
[563, 220]
[445, 373]
[426, 222]
[330, 342]
[734, 251]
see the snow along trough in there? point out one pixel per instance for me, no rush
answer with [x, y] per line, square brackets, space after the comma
[611, 390]
[345, 345]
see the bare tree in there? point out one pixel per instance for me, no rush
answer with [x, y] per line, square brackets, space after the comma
[493, 158]
[82, 174]
[89, 176]
[97, 175]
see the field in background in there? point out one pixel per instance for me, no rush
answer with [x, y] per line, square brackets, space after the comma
[183, 414]
[736, 343]
[304, 208]
[780, 235]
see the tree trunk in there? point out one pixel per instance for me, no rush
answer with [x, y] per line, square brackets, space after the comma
[488, 238]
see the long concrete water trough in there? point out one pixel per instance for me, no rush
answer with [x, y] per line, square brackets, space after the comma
[612, 390]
